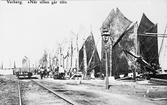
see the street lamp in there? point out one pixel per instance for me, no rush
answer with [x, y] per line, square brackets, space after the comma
[105, 38]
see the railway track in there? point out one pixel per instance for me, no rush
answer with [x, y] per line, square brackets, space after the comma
[20, 99]
[45, 96]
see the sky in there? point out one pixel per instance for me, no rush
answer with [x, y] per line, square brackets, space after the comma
[29, 29]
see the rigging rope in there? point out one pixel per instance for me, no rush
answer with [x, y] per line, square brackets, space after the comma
[162, 40]
[142, 43]
[93, 52]
[165, 48]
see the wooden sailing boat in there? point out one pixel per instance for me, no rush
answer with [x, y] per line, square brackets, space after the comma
[162, 73]
[129, 45]
[148, 48]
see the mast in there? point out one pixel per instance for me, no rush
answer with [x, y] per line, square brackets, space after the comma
[165, 48]
[164, 56]
[14, 64]
[85, 60]
[67, 67]
[49, 60]
[162, 40]
[10, 63]
[2, 65]
[93, 47]
[77, 54]
[59, 55]
[71, 52]
[110, 51]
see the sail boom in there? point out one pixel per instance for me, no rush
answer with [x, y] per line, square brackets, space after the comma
[153, 35]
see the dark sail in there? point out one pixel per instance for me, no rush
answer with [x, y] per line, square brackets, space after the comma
[118, 23]
[91, 54]
[148, 45]
[145, 24]
[121, 61]
[106, 23]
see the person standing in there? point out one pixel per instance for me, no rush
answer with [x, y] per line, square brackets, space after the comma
[41, 73]
[61, 72]
[134, 72]
[92, 75]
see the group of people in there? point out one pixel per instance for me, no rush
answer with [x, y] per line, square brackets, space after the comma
[44, 73]
[51, 73]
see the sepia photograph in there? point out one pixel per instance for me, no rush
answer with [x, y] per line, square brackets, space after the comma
[83, 52]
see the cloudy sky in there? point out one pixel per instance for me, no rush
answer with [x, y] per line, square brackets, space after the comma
[28, 29]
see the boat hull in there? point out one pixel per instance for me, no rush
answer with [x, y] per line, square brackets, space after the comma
[159, 76]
